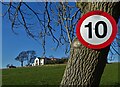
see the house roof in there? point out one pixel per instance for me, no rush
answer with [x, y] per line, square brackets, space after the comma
[54, 58]
[47, 58]
[42, 58]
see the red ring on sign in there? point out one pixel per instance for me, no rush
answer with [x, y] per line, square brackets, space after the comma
[105, 44]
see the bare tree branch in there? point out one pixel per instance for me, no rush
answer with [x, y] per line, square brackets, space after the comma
[62, 15]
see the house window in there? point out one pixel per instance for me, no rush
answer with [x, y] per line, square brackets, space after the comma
[36, 62]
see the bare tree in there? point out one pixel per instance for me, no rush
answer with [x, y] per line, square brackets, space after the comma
[38, 23]
[85, 66]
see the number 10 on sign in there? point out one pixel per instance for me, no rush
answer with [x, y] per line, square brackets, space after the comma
[96, 29]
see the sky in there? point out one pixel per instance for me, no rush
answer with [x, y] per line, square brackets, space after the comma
[13, 44]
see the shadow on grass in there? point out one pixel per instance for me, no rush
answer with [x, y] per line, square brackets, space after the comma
[117, 85]
[30, 86]
[114, 85]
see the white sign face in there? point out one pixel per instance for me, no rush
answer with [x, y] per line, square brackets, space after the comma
[96, 29]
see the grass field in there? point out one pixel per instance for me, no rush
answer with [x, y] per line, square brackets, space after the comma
[51, 75]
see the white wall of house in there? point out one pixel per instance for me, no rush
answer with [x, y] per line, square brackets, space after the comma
[36, 62]
[42, 61]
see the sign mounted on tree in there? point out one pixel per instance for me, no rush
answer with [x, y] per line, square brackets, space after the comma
[96, 29]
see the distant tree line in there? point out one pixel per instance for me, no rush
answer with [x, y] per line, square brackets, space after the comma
[58, 61]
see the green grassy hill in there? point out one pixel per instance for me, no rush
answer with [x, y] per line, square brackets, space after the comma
[51, 75]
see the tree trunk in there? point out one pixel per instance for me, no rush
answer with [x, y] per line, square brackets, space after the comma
[85, 66]
[21, 63]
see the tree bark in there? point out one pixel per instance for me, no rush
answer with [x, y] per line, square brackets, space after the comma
[85, 66]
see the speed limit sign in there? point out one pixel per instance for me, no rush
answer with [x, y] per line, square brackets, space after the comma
[96, 29]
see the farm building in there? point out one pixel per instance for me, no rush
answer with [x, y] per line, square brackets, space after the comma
[40, 61]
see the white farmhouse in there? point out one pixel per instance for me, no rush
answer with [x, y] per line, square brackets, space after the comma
[40, 61]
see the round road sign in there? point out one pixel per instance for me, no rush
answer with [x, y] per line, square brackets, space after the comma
[96, 29]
